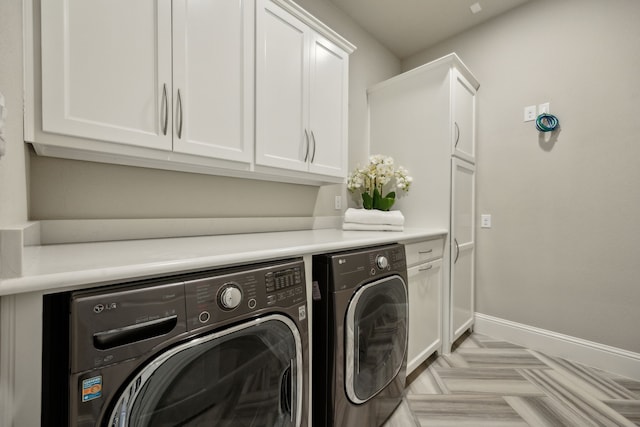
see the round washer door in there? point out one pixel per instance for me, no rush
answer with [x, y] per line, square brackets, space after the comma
[235, 377]
[376, 337]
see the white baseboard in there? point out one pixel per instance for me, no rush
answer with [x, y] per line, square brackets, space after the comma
[601, 356]
[424, 355]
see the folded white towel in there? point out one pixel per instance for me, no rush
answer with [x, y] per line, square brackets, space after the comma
[371, 227]
[373, 216]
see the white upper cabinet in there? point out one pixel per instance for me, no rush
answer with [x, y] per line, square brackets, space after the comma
[106, 70]
[180, 84]
[282, 73]
[328, 108]
[464, 115]
[169, 75]
[213, 78]
[301, 95]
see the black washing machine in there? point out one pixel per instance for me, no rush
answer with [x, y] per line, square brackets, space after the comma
[360, 318]
[225, 348]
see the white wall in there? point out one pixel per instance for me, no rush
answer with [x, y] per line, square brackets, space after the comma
[563, 251]
[64, 189]
[13, 188]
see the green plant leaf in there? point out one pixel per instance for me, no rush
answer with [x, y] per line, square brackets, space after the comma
[367, 201]
[376, 198]
[383, 203]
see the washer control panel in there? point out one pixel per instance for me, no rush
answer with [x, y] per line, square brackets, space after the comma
[223, 295]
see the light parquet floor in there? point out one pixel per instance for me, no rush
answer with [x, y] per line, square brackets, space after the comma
[486, 382]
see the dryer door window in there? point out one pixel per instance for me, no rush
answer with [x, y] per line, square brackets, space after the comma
[376, 338]
[243, 376]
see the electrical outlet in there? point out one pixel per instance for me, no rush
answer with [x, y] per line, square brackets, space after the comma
[337, 203]
[485, 221]
[529, 113]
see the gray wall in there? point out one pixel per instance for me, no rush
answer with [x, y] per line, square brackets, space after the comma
[563, 251]
[65, 189]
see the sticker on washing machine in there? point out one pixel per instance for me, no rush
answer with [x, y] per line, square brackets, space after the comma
[91, 388]
[302, 312]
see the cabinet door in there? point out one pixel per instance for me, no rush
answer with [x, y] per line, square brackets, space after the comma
[327, 110]
[462, 246]
[212, 78]
[425, 284]
[106, 70]
[463, 105]
[282, 70]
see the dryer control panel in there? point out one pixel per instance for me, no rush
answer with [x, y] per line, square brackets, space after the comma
[351, 268]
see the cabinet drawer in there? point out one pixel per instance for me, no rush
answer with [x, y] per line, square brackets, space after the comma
[427, 250]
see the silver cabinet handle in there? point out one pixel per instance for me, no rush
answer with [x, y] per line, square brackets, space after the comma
[457, 250]
[457, 133]
[306, 137]
[179, 115]
[313, 138]
[426, 268]
[165, 109]
[425, 252]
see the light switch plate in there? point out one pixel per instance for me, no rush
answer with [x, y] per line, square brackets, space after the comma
[544, 108]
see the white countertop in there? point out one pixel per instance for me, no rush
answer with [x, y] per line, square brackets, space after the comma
[53, 268]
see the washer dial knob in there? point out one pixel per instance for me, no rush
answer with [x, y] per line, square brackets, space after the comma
[230, 297]
[382, 262]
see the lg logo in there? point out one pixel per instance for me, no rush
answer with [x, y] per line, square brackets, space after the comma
[99, 308]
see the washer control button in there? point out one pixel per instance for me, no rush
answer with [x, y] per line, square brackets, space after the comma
[204, 317]
[382, 262]
[230, 296]
[252, 303]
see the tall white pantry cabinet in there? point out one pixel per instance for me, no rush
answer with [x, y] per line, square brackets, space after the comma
[425, 119]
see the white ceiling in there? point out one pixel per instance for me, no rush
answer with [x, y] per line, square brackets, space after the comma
[407, 27]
